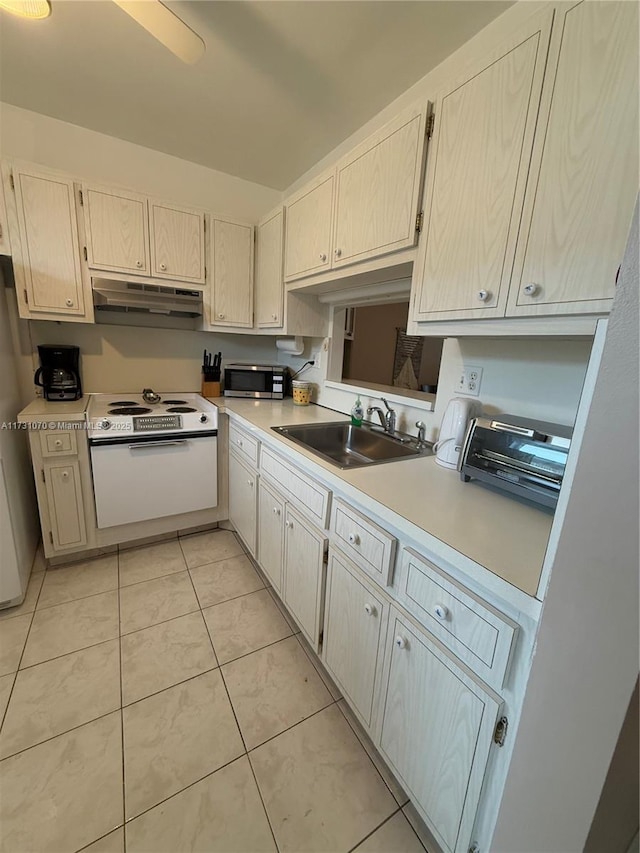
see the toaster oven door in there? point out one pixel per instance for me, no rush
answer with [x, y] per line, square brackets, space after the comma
[520, 464]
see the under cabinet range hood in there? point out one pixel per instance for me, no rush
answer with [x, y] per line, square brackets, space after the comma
[132, 296]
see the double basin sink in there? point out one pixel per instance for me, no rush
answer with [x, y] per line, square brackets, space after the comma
[349, 446]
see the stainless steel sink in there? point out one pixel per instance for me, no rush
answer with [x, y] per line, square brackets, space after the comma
[349, 446]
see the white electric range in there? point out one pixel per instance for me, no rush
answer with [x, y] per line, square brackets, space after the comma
[152, 455]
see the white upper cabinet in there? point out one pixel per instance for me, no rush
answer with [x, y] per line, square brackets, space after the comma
[46, 255]
[366, 207]
[378, 192]
[177, 242]
[269, 285]
[484, 127]
[117, 226]
[308, 234]
[584, 176]
[231, 277]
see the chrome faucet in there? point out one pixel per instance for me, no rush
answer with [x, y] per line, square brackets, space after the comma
[387, 419]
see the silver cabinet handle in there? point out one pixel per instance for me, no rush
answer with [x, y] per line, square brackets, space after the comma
[531, 289]
[401, 642]
[370, 609]
[163, 267]
[153, 444]
[338, 252]
[323, 257]
[138, 264]
[484, 295]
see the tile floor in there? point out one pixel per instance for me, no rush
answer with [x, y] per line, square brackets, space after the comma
[159, 699]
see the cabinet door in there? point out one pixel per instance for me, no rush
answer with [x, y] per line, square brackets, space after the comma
[243, 501]
[355, 619]
[47, 262]
[308, 231]
[271, 517]
[66, 509]
[117, 226]
[231, 274]
[269, 281]
[436, 731]
[5, 246]
[484, 125]
[378, 192]
[584, 176]
[304, 573]
[177, 243]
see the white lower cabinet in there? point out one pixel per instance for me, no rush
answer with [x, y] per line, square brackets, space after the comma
[65, 505]
[436, 730]
[271, 512]
[304, 573]
[355, 621]
[243, 500]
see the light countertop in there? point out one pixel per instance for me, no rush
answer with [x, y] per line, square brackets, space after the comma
[506, 537]
[47, 410]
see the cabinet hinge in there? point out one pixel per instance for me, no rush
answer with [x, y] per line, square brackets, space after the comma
[51, 537]
[84, 252]
[11, 181]
[81, 197]
[419, 220]
[44, 479]
[430, 123]
[26, 296]
[500, 732]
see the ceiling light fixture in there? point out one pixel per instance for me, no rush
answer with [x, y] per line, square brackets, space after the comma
[32, 9]
[166, 27]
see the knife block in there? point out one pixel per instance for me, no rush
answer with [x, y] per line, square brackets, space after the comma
[211, 389]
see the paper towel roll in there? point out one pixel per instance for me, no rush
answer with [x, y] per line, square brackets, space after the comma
[292, 346]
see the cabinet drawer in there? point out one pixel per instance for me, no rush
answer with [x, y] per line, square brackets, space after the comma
[243, 444]
[475, 631]
[369, 546]
[58, 443]
[310, 498]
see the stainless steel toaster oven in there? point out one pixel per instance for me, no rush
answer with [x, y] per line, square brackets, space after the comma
[521, 456]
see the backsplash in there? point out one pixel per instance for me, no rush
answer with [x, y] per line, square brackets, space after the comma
[124, 358]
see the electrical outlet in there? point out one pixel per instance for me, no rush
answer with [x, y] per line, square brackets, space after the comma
[469, 380]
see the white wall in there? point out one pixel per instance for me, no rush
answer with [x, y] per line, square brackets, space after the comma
[123, 358]
[37, 138]
[586, 663]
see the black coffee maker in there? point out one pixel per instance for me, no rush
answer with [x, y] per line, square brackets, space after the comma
[59, 372]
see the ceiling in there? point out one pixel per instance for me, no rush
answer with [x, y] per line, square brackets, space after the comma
[280, 85]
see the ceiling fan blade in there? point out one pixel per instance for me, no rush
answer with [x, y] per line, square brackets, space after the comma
[161, 22]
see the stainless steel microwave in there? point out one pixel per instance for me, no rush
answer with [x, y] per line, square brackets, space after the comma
[519, 455]
[257, 381]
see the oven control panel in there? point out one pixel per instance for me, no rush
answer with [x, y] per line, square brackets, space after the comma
[151, 423]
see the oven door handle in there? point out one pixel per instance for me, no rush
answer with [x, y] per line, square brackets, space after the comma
[153, 444]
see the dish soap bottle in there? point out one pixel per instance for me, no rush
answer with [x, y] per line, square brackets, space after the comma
[357, 413]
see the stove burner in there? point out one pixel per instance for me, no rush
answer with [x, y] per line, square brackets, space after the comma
[175, 402]
[181, 409]
[123, 403]
[129, 410]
